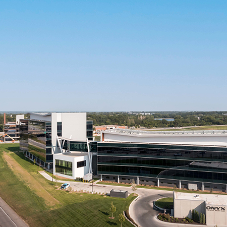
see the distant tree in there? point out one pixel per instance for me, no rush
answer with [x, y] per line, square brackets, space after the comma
[121, 218]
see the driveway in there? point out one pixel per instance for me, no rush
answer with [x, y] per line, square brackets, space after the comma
[141, 210]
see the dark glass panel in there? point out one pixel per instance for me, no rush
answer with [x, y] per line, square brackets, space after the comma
[63, 167]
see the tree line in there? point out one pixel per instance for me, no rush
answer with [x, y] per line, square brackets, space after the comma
[181, 119]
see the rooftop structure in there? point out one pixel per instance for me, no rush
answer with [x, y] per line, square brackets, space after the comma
[198, 138]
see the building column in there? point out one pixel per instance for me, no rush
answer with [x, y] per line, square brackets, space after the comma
[202, 186]
[137, 181]
[101, 178]
[226, 188]
[179, 184]
[158, 182]
[118, 180]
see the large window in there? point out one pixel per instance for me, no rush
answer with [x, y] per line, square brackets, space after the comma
[63, 167]
[81, 164]
[59, 128]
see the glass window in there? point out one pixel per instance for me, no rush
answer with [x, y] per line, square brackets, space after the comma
[63, 167]
[81, 164]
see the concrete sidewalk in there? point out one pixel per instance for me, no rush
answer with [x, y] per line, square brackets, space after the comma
[8, 217]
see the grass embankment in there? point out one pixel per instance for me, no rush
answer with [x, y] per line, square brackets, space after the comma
[73, 209]
[165, 203]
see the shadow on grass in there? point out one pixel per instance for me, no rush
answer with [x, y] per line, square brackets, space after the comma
[105, 213]
[111, 223]
[14, 149]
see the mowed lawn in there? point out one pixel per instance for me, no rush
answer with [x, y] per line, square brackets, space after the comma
[73, 209]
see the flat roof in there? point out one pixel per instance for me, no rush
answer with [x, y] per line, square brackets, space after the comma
[73, 154]
[208, 198]
[198, 144]
[188, 132]
[207, 138]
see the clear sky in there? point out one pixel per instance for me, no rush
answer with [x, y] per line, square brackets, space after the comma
[113, 55]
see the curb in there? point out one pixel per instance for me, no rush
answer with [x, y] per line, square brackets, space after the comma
[154, 205]
[134, 200]
[169, 223]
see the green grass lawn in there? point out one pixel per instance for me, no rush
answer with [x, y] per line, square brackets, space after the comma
[74, 209]
[165, 203]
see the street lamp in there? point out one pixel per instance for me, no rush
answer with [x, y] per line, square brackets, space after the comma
[92, 182]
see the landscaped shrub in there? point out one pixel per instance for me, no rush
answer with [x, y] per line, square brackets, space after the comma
[189, 220]
[201, 218]
[193, 214]
[204, 219]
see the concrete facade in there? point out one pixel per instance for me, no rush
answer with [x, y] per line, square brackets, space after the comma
[213, 206]
[73, 157]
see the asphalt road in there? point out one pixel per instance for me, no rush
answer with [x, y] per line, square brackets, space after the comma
[8, 217]
[142, 209]
[5, 220]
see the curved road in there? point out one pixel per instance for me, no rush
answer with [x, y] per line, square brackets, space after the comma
[142, 211]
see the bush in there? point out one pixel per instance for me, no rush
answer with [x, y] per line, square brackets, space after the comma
[204, 219]
[201, 218]
[189, 220]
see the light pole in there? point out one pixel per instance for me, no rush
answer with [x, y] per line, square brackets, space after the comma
[92, 182]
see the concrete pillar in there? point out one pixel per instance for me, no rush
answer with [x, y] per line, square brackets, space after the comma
[137, 181]
[179, 184]
[202, 186]
[158, 182]
[101, 178]
[118, 180]
[226, 188]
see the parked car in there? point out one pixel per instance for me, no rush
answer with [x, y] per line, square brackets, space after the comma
[65, 186]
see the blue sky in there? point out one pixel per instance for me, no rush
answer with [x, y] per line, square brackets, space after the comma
[113, 55]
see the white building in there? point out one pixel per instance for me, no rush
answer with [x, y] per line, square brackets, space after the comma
[59, 140]
[213, 206]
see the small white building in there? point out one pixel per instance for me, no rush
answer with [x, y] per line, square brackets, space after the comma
[212, 205]
[71, 164]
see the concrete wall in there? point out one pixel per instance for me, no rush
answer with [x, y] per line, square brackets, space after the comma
[76, 172]
[216, 217]
[74, 125]
[18, 117]
[183, 208]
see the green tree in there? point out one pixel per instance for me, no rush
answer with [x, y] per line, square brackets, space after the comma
[121, 218]
[112, 209]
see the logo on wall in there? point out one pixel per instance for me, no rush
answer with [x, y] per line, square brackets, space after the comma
[210, 208]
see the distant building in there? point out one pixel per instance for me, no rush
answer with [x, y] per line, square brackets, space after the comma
[11, 129]
[99, 129]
